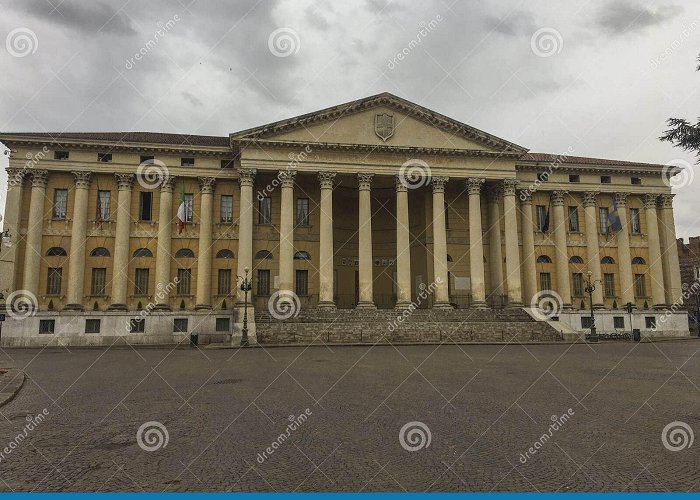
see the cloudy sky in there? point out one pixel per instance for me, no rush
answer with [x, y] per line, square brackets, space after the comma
[598, 78]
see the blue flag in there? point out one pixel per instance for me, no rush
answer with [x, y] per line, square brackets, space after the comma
[614, 219]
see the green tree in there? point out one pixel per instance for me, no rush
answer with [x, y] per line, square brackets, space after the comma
[682, 133]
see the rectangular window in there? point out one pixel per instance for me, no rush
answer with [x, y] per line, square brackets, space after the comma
[104, 157]
[265, 210]
[180, 325]
[227, 163]
[138, 325]
[586, 322]
[573, 220]
[189, 207]
[302, 211]
[103, 201]
[146, 158]
[223, 324]
[92, 326]
[141, 281]
[636, 180]
[99, 280]
[224, 286]
[545, 281]
[187, 162]
[603, 220]
[634, 221]
[302, 282]
[640, 288]
[60, 155]
[542, 221]
[605, 179]
[184, 278]
[618, 321]
[650, 322]
[574, 178]
[145, 205]
[53, 281]
[263, 282]
[226, 209]
[47, 326]
[609, 284]
[577, 283]
[60, 203]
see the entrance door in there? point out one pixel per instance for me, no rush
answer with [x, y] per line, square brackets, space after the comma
[357, 287]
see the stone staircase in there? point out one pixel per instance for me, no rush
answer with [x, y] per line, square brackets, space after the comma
[314, 325]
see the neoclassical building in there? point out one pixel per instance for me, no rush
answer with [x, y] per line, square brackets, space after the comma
[360, 213]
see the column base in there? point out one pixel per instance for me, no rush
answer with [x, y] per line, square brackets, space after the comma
[161, 307]
[202, 307]
[598, 307]
[74, 307]
[481, 304]
[365, 305]
[117, 307]
[515, 304]
[660, 306]
[402, 306]
[568, 307]
[442, 305]
[327, 306]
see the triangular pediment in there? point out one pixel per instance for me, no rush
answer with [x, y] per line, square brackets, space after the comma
[380, 120]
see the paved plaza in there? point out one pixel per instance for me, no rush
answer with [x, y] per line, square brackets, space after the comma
[473, 418]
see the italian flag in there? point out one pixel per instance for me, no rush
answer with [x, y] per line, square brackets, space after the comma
[181, 213]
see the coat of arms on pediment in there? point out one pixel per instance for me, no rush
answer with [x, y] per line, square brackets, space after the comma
[384, 125]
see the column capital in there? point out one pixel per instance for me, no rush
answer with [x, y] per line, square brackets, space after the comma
[15, 176]
[167, 183]
[246, 176]
[364, 180]
[557, 197]
[287, 177]
[493, 193]
[124, 181]
[666, 201]
[82, 179]
[525, 196]
[438, 184]
[206, 184]
[326, 179]
[509, 186]
[400, 184]
[589, 198]
[621, 199]
[39, 178]
[650, 200]
[474, 185]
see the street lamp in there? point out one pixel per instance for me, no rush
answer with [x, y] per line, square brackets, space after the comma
[590, 288]
[246, 286]
[630, 307]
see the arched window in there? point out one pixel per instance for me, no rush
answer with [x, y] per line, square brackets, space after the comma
[143, 252]
[449, 258]
[99, 252]
[575, 259]
[224, 254]
[302, 256]
[184, 252]
[544, 259]
[56, 252]
[638, 260]
[263, 254]
[607, 260]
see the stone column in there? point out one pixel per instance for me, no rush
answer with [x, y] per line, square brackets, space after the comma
[403, 245]
[658, 294]
[561, 258]
[624, 256]
[476, 247]
[120, 270]
[669, 250]
[32, 252]
[206, 221]
[493, 198]
[286, 258]
[365, 241]
[12, 223]
[246, 179]
[78, 237]
[325, 264]
[528, 232]
[441, 299]
[515, 293]
[592, 246]
[165, 236]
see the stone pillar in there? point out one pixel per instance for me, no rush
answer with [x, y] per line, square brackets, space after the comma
[165, 235]
[120, 270]
[403, 245]
[32, 251]
[441, 299]
[592, 246]
[365, 241]
[515, 293]
[12, 223]
[624, 256]
[561, 258]
[528, 259]
[246, 179]
[658, 294]
[493, 199]
[669, 250]
[78, 237]
[286, 258]
[206, 221]
[325, 264]
[476, 247]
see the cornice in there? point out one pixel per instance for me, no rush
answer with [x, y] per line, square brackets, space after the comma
[593, 169]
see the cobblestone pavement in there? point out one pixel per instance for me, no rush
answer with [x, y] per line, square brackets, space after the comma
[482, 406]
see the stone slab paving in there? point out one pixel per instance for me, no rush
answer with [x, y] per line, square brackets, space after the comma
[481, 406]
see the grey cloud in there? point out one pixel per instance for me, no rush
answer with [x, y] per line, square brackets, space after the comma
[513, 24]
[84, 17]
[620, 17]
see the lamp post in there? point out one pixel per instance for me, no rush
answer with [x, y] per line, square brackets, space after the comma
[629, 307]
[246, 286]
[590, 288]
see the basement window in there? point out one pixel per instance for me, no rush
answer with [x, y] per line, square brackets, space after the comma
[138, 325]
[104, 157]
[60, 155]
[223, 324]
[180, 325]
[92, 326]
[47, 326]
